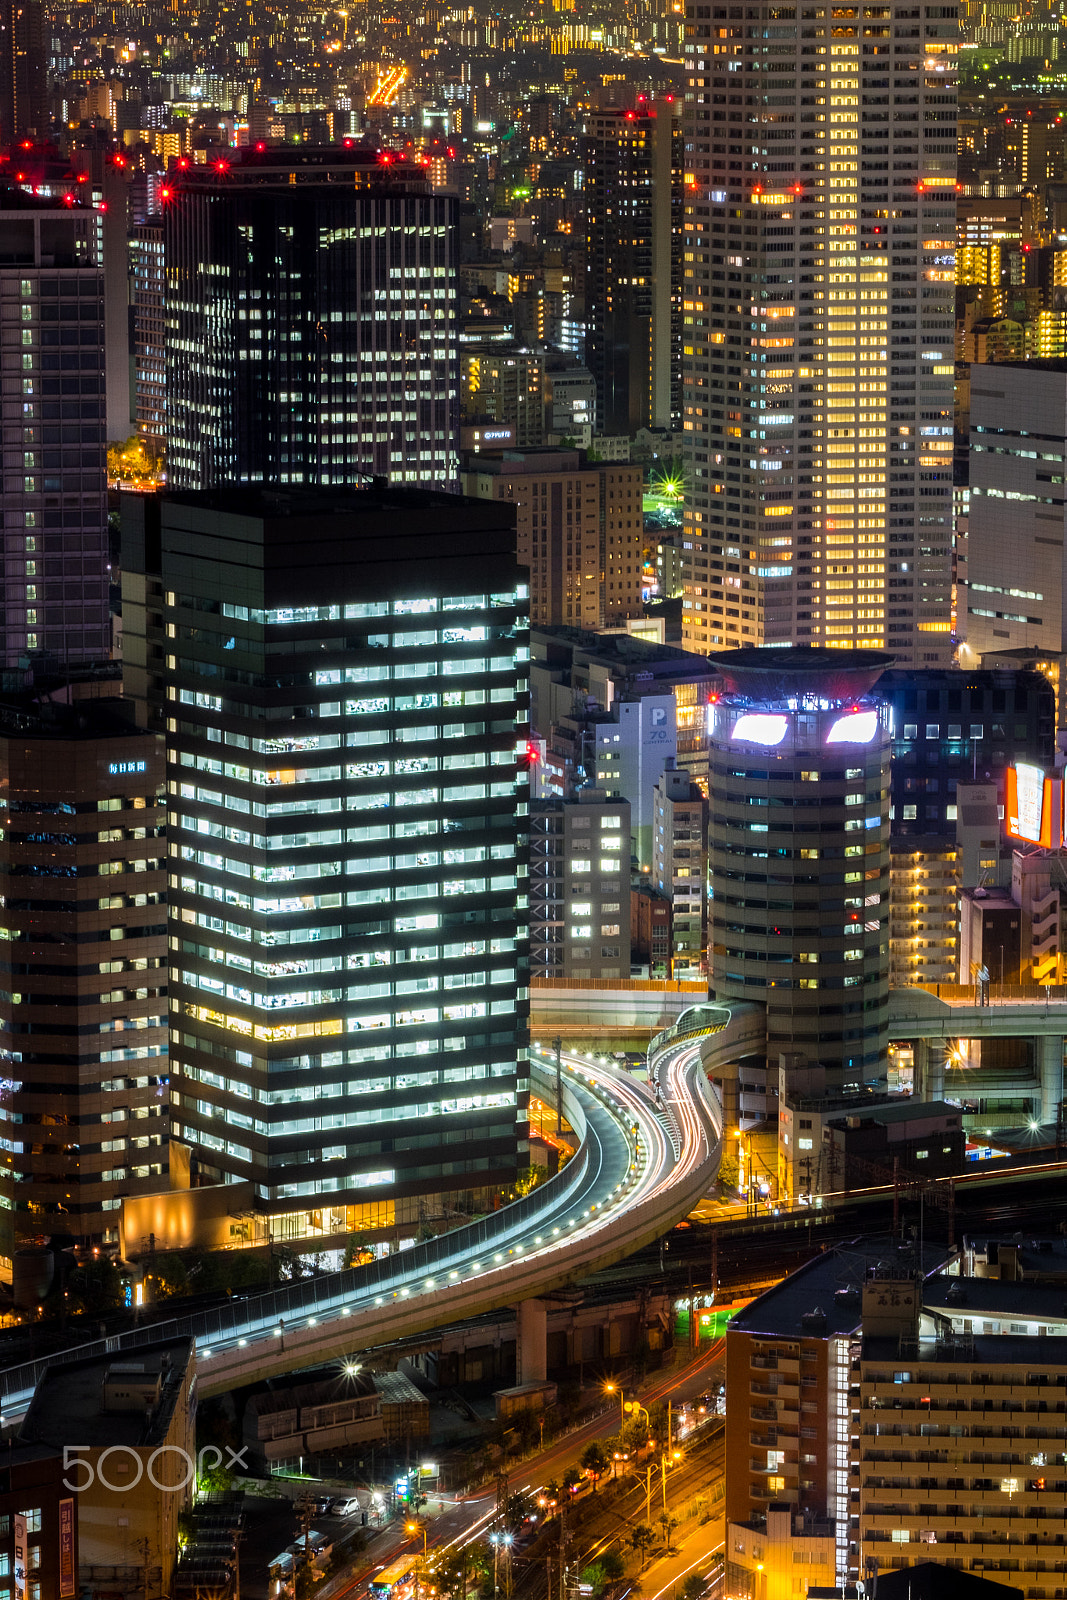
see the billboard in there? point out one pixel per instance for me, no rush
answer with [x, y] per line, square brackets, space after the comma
[1028, 806]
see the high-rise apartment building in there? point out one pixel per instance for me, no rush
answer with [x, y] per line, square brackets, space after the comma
[1014, 592]
[23, 72]
[679, 866]
[85, 1110]
[798, 850]
[580, 887]
[54, 491]
[581, 531]
[818, 326]
[146, 293]
[345, 688]
[634, 183]
[310, 321]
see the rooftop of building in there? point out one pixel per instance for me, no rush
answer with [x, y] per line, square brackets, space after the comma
[896, 678]
[985, 1349]
[1033, 1255]
[1040, 364]
[550, 646]
[69, 1401]
[929, 1580]
[30, 717]
[290, 502]
[759, 672]
[829, 1287]
[1016, 1299]
[903, 1111]
[270, 165]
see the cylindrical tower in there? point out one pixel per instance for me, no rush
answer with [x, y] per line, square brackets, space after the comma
[799, 856]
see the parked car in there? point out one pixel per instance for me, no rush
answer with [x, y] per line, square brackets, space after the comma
[344, 1505]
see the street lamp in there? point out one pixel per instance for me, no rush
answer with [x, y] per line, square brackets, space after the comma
[416, 1527]
[496, 1540]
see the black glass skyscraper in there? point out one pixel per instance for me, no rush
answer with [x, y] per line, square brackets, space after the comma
[310, 321]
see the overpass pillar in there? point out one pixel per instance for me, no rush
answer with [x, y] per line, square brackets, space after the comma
[929, 1069]
[1050, 1063]
[532, 1362]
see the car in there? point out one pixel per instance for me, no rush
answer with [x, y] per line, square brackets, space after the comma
[318, 1504]
[344, 1505]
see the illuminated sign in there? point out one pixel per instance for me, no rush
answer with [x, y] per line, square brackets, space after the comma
[67, 1586]
[760, 727]
[117, 768]
[1028, 806]
[858, 727]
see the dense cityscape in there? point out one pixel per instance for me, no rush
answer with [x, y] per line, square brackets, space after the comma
[520, 543]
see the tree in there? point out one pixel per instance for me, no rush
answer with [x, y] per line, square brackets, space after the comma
[613, 1565]
[668, 1524]
[594, 1460]
[594, 1576]
[694, 1586]
[570, 1478]
[642, 1539]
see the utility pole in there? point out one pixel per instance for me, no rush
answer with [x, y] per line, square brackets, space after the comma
[557, 1045]
[714, 1263]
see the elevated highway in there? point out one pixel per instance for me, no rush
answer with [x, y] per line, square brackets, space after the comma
[638, 1170]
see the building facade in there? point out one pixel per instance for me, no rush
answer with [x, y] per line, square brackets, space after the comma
[924, 911]
[633, 167]
[1014, 592]
[54, 494]
[798, 847]
[83, 860]
[310, 321]
[818, 336]
[345, 692]
[580, 887]
[23, 72]
[679, 867]
[149, 354]
[581, 531]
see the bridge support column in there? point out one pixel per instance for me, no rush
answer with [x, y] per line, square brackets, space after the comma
[1050, 1065]
[929, 1069]
[532, 1354]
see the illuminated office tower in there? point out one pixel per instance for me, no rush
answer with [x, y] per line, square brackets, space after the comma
[345, 688]
[798, 858]
[310, 312]
[818, 326]
[53, 494]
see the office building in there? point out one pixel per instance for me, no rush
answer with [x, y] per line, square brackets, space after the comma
[345, 689]
[951, 727]
[54, 494]
[650, 930]
[633, 169]
[581, 531]
[84, 1007]
[580, 887]
[798, 848]
[310, 320]
[818, 340]
[135, 1422]
[505, 388]
[146, 294]
[679, 866]
[23, 72]
[1014, 593]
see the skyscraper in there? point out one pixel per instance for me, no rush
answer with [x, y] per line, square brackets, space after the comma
[54, 491]
[798, 854]
[345, 687]
[310, 308]
[818, 332]
[633, 166]
[23, 72]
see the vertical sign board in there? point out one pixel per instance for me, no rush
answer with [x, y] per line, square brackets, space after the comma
[67, 1585]
[20, 1555]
